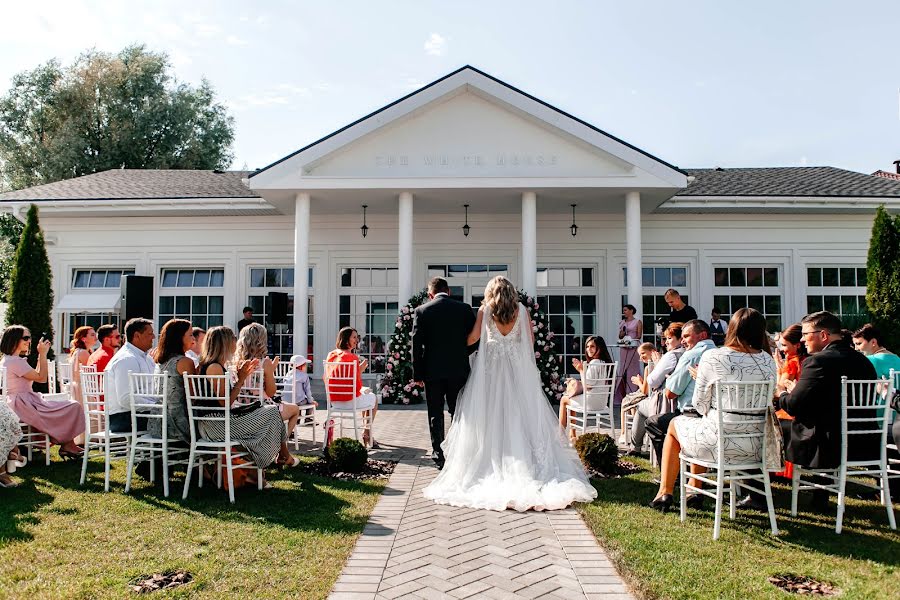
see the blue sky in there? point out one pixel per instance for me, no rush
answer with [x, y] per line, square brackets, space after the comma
[763, 83]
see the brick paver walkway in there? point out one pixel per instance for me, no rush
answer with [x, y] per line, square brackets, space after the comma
[413, 548]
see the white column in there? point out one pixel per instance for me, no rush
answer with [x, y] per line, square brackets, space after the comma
[301, 273]
[529, 243]
[633, 249]
[405, 248]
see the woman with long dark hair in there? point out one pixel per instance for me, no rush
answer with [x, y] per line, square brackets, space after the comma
[631, 332]
[345, 345]
[175, 338]
[594, 349]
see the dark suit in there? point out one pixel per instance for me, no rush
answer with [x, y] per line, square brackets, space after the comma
[815, 404]
[440, 359]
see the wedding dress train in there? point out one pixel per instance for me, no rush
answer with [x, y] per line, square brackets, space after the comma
[505, 448]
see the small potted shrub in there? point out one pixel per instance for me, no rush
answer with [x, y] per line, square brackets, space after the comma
[598, 452]
[346, 455]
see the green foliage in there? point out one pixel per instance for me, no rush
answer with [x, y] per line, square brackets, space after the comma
[108, 111]
[397, 385]
[10, 232]
[30, 289]
[598, 452]
[548, 362]
[883, 276]
[346, 455]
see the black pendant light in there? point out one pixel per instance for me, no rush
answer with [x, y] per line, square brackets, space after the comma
[574, 227]
[365, 228]
[466, 229]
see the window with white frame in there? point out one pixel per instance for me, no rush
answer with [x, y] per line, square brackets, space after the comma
[192, 294]
[841, 290]
[752, 286]
[568, 294]
[467, 282]
[655, 280]
[281, 336]
[367, 301]
[99, 278]
[72, 321]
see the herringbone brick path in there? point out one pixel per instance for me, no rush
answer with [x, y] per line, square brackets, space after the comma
[413, 548]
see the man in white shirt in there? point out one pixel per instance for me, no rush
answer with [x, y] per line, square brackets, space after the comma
[130, 357]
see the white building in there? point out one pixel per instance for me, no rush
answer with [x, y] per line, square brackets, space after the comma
[783, 240]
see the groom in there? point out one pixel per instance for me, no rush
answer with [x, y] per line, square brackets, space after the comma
[440, 356]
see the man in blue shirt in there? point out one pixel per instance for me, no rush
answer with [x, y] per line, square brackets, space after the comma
[680, 384]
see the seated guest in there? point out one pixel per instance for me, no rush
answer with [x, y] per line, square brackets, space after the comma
[813, 438]
[10, 434]
[252, 344]
[347, 341]
[175, 339]
[630, 401]
[62, 421]
[261, 432]
[110, 339]
[655, 403]
[679, 386]
[297, 382]
[194, 352]
[867, 340]
[594, 349]
[83, 342]
[744, 357]
[131, 357]
[789, 357]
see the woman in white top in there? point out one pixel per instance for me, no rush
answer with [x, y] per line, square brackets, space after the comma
[83, 341]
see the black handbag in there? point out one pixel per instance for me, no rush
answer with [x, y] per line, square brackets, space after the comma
[244, 409]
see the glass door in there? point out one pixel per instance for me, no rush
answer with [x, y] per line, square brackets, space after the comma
[466, 281]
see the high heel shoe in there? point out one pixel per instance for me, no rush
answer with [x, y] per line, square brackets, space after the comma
[663, 503]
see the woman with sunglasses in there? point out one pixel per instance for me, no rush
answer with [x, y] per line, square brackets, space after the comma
[63, 421]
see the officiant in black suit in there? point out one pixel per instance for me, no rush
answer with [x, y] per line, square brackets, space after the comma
[440, 355]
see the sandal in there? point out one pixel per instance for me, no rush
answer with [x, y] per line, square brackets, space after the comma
[69, 455]
[7, 482]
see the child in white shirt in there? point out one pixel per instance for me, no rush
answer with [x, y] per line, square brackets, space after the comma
[297, 381]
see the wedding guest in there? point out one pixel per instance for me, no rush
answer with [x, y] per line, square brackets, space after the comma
[248, 318]
[110, 339]
[83, 341]
[629, 364]
[594, 349]
[10, 434]
[298, 382]
[655, 403]
[679, 386]
[131, 357]
[176, 338]
[744, 357]
[253, 344]
[681, 312]
[347, 340]
[867, 340]
[630, 401]
[194, 352]
[63, 421]
[261, 432]
[717, 327]
[789, 357]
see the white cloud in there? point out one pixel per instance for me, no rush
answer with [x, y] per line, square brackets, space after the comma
[236, 41]
[436, 45]
[803, 161]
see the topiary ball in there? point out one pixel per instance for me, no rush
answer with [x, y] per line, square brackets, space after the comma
[347, 455]
[598, 452]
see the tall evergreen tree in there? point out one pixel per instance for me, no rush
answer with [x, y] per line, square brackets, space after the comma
[883, 277]
[30, 290]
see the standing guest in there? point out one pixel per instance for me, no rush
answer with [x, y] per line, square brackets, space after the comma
[83, 342]
[194, 352]
[594, 349]
[347, 340]
[631, 331]
[681, 312]
[248, 318]
[131, 357]
[253, 344]
[62, 421]
[10, 434]
[175, 339]
[717, 327]
[261, 431]
[655, 403]
[867, 340]
[744, 357]
[110, 340]
[680, 384]
[813, 439]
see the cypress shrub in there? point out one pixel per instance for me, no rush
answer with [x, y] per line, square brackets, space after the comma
[883, 277]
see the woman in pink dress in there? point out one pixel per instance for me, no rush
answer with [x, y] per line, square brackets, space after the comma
[62, 421]
[629, 362]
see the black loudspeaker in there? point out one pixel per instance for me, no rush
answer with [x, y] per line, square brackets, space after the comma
[137, 297]
[278, 305]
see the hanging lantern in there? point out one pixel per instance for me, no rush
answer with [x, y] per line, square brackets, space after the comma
[574, 227]
[365, 228]
[466, 229]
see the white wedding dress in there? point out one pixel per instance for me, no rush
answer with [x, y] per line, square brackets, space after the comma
[505, 448]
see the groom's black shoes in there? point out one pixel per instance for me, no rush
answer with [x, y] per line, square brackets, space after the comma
[439, 461]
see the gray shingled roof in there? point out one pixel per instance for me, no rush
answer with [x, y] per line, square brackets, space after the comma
[788, 181]
[122, 184]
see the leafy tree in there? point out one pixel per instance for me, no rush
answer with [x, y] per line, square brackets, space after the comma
[883, 277]
[109, 111]
[10, 232]
[30, 290]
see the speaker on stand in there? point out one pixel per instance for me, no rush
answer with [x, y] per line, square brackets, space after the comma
[137, 298]
[277, 318]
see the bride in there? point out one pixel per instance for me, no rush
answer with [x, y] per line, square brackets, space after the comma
[505, 448]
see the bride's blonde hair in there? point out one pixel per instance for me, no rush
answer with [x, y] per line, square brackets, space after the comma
[501, 298]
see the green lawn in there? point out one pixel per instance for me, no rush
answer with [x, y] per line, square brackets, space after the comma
[59, 540]
[664, 558]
